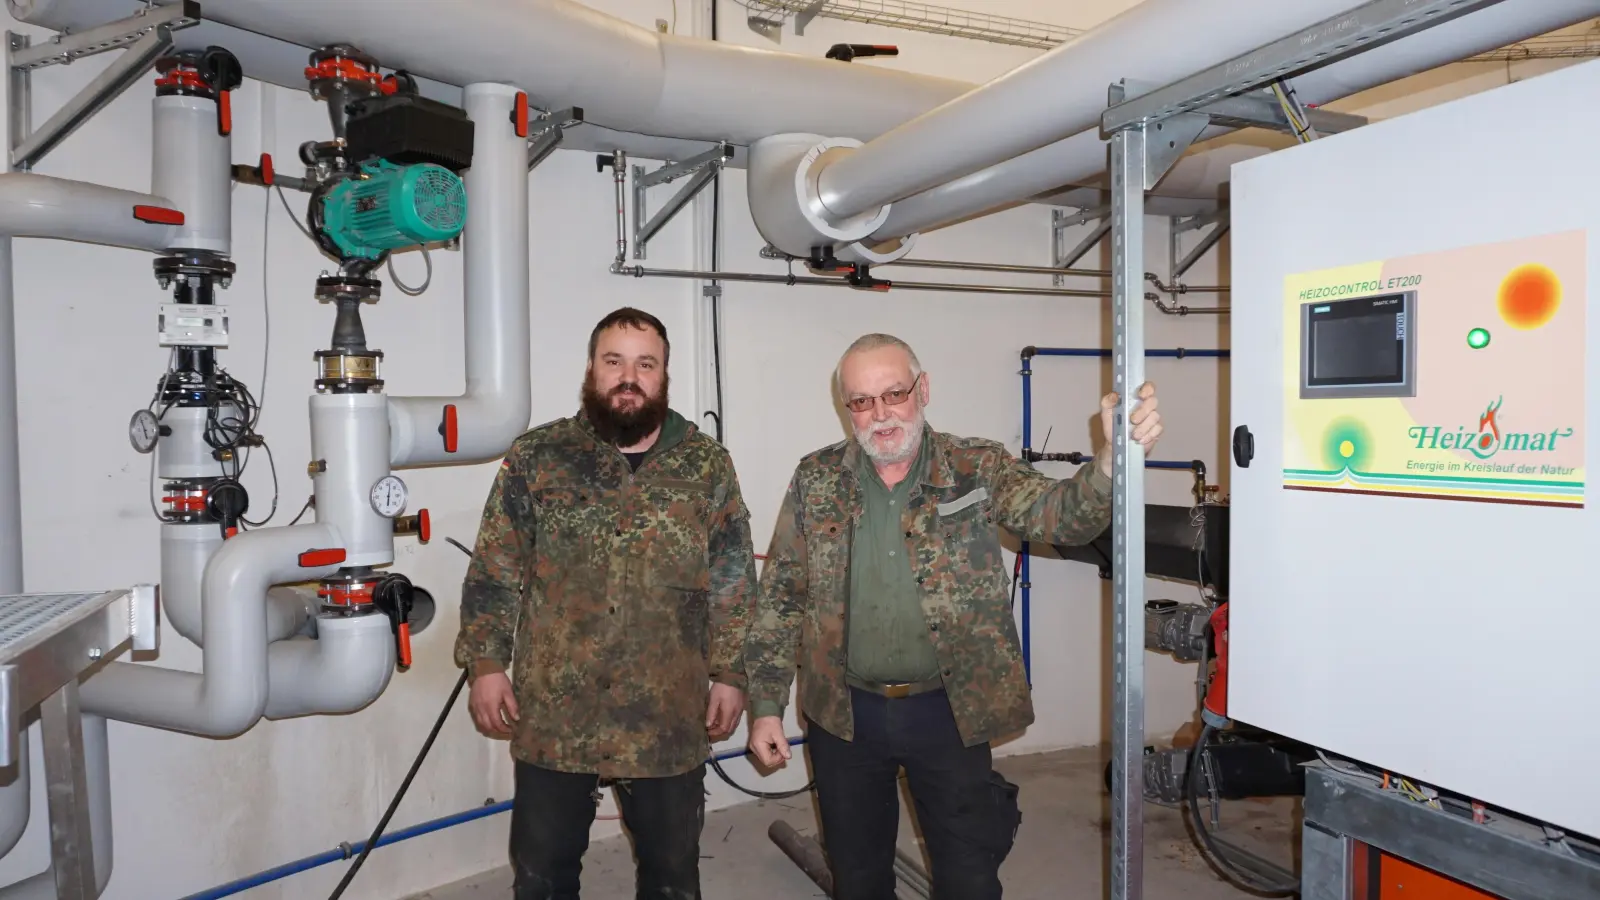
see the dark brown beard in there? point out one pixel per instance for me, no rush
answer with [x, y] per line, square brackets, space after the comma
[623, 428]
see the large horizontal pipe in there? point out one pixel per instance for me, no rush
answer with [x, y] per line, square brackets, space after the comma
[41, 206]
[817, 281]
[564, 54]
[1081, 158]
[1058, 94]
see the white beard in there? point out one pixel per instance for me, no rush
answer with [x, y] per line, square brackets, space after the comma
[903, 449]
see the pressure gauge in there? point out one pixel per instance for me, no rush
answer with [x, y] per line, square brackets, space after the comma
[143, 430]
[389, 496]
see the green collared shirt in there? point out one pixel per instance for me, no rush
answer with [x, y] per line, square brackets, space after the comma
[888, 631]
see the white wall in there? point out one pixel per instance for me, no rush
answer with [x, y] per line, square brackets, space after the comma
[192, 813]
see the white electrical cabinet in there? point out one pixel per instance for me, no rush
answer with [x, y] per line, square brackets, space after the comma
[1415, 564]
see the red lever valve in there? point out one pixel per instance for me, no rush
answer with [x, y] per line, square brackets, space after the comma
[419, 525]
[448, 429]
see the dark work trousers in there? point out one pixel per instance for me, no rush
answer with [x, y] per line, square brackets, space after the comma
[967, 816]
[552, 812]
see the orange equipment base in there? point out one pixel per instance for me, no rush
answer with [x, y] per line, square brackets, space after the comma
[1380, 876]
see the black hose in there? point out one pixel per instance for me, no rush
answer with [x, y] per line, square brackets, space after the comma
[760, 795]
[416, 764]
[1208, 846]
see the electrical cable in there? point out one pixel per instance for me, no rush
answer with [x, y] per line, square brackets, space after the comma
[760, 795]
[716, 261]
[407, 289]
[1208, 847]
[416, 764]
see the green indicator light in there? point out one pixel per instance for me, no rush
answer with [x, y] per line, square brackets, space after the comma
[1478, 338]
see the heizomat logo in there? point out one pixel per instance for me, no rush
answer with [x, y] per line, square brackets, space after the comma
[1487, 439]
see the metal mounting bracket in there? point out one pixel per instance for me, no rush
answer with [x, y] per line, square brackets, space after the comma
[1358, 30]
[1180, 225]
[1063, 258]
[545, 136]
[702, 167]
[804, 16]
[1261, 109]
[1167, 140]
[147, 35]
[771, 29]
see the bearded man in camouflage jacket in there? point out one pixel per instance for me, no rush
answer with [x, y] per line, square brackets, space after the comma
[615, 577]
[886, 586]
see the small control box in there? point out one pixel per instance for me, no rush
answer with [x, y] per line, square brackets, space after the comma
[184, 325]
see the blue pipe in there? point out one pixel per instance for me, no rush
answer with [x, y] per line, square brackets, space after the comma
[1028, 353]
[353, 849]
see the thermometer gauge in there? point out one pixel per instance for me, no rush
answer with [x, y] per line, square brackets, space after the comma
[389, 496]
[143, 430]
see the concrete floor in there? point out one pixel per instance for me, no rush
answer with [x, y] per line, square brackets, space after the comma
[1060, 852]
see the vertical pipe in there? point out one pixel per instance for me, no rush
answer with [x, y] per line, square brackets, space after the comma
[191, 165]
[10, 456]
[498, 400]
[1128, 173]
[1027, 446]
[350, 441]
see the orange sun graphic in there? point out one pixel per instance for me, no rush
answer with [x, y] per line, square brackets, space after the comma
[1529, 296]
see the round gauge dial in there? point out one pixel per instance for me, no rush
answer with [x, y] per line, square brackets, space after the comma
[389, 496]
[143, 430]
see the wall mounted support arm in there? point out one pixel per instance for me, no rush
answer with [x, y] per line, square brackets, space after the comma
[545, 137]
[147, 35]
[703, 167]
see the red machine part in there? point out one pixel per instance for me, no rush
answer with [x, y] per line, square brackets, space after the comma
[185, 501]
[183, 75]
[339, 68]
[346, 593]
[1216, 705]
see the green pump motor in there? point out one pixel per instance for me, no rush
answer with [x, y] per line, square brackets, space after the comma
[390, 206]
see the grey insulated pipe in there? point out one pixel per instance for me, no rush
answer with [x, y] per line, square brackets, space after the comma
[229, 694]
[498, 401]
[1056, 95]
[1081, 158]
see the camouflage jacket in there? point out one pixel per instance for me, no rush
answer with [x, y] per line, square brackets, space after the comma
[971, 487]
[615, 597]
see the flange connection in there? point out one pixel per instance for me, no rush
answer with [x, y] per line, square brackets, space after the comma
[786, 200]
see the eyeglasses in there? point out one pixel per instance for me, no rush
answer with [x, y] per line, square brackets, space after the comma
[889, 398]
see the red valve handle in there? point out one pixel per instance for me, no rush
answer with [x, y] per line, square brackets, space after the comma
[402, 636]
[448, 428]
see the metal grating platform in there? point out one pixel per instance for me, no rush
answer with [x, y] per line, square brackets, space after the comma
[29, 620]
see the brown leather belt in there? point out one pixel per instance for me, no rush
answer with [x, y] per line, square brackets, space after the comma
[895, 690]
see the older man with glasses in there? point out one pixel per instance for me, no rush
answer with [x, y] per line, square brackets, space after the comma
[886, 586]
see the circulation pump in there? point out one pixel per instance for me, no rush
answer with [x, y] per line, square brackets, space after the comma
[387, 207]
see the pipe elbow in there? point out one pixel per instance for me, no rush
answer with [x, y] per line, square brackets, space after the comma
[787, 202]
[343, 670]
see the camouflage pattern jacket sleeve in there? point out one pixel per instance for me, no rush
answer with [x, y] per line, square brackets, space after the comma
[733, 581]
[491, 595]
[774, 642]
[1036, 507]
